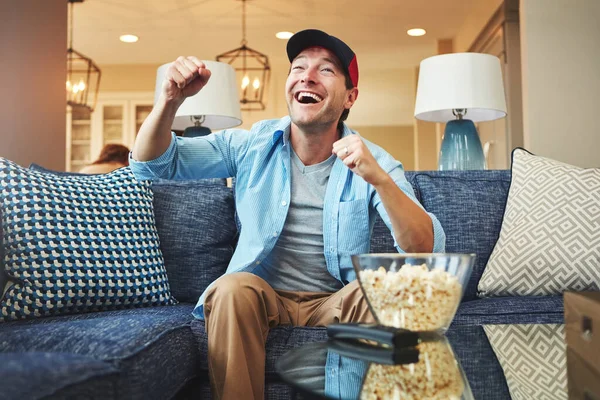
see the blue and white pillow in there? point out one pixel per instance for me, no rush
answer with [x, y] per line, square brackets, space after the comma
[76, 244]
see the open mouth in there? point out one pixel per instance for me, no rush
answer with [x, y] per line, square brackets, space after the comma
[308, 98]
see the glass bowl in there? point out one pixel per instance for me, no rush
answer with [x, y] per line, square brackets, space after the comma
[418, 292]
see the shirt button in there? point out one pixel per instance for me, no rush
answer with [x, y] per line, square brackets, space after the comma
[283, 203]
[258, 262]
[274, 234]
[331, 249]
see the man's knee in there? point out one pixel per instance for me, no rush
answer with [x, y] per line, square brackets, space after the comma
[236, 286]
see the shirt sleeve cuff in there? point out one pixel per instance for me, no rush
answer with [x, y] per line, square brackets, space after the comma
[157, 168]
[439, 237]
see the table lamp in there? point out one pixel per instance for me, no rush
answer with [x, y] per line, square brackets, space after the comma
[215, 107]
[458, 89]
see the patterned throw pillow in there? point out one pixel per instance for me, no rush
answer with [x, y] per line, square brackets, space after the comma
[533, 359]
[76, 244]
[550, 236]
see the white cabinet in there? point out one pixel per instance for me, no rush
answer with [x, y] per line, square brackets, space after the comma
[116, 119]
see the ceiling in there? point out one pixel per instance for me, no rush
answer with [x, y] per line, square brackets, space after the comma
[375, 29]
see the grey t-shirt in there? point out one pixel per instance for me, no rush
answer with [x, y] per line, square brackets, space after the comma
[297, 261]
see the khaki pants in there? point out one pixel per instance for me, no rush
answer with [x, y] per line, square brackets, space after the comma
[240, 308]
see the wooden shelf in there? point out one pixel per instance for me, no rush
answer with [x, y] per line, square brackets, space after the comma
[81, 141]
[85, 122]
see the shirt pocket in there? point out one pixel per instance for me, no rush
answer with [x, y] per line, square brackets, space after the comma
[353, 227]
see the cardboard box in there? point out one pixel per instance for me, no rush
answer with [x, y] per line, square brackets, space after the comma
[584, 383]
[582, 326]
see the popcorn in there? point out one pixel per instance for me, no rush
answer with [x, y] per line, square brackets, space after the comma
[435, 376]
[413, 298]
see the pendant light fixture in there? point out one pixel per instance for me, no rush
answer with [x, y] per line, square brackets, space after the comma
[252, 71]
[83, 75]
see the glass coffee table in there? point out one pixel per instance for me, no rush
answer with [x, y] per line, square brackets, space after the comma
[346, 369]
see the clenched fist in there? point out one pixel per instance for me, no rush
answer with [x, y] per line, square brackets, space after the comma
[356, 155]
[185, 77]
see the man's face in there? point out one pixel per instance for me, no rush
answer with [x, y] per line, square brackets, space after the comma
[316, 91]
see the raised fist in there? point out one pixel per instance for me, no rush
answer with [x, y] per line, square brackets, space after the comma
[185, 77]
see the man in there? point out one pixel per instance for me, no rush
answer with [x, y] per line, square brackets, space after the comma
[307, 193]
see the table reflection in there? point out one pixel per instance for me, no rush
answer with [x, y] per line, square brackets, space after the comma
[345, 369]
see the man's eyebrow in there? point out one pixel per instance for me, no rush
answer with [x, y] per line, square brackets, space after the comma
[332, 61]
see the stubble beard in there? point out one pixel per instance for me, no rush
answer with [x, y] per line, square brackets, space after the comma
[315, 125]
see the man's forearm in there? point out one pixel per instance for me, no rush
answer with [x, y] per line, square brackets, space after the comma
[413, 228]
[154, 136]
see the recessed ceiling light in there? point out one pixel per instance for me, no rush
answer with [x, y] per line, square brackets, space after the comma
[284, 35]
[416, 32]
[128, 38]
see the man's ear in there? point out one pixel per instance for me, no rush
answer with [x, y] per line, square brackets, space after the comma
[351, 98]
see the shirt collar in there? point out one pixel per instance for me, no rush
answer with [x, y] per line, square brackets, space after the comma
[282, 130]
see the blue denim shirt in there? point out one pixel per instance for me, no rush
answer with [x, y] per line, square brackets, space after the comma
[259, 160]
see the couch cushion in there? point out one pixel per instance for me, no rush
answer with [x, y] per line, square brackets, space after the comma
[153, 348]
[470, 206]
[381, 239]
[550, 237]
[77, 244]
[36, 375]
[196, 226]
[511, 310]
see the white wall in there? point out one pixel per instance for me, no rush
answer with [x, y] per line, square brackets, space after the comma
[561, 81]
[385, 97]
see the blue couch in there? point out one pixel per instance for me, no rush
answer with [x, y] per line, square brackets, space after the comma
[160, 352]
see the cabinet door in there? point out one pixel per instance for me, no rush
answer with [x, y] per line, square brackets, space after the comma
[117, 118]
[110, 123]
[140, 109]
[79, 138]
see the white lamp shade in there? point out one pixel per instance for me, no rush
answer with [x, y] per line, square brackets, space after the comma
[460, 80]
[218, 101]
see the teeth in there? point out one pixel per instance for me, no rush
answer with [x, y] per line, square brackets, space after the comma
[307, 94]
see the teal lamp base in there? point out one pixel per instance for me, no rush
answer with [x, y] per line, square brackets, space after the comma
[194, 131]
[461, 148]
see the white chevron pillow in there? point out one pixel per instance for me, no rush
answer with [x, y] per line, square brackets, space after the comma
[550, 236]
[533, 358]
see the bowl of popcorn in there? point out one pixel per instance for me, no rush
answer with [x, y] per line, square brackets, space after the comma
[418, 292]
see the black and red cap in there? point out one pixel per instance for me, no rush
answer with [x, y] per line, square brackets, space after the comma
[316, 38]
